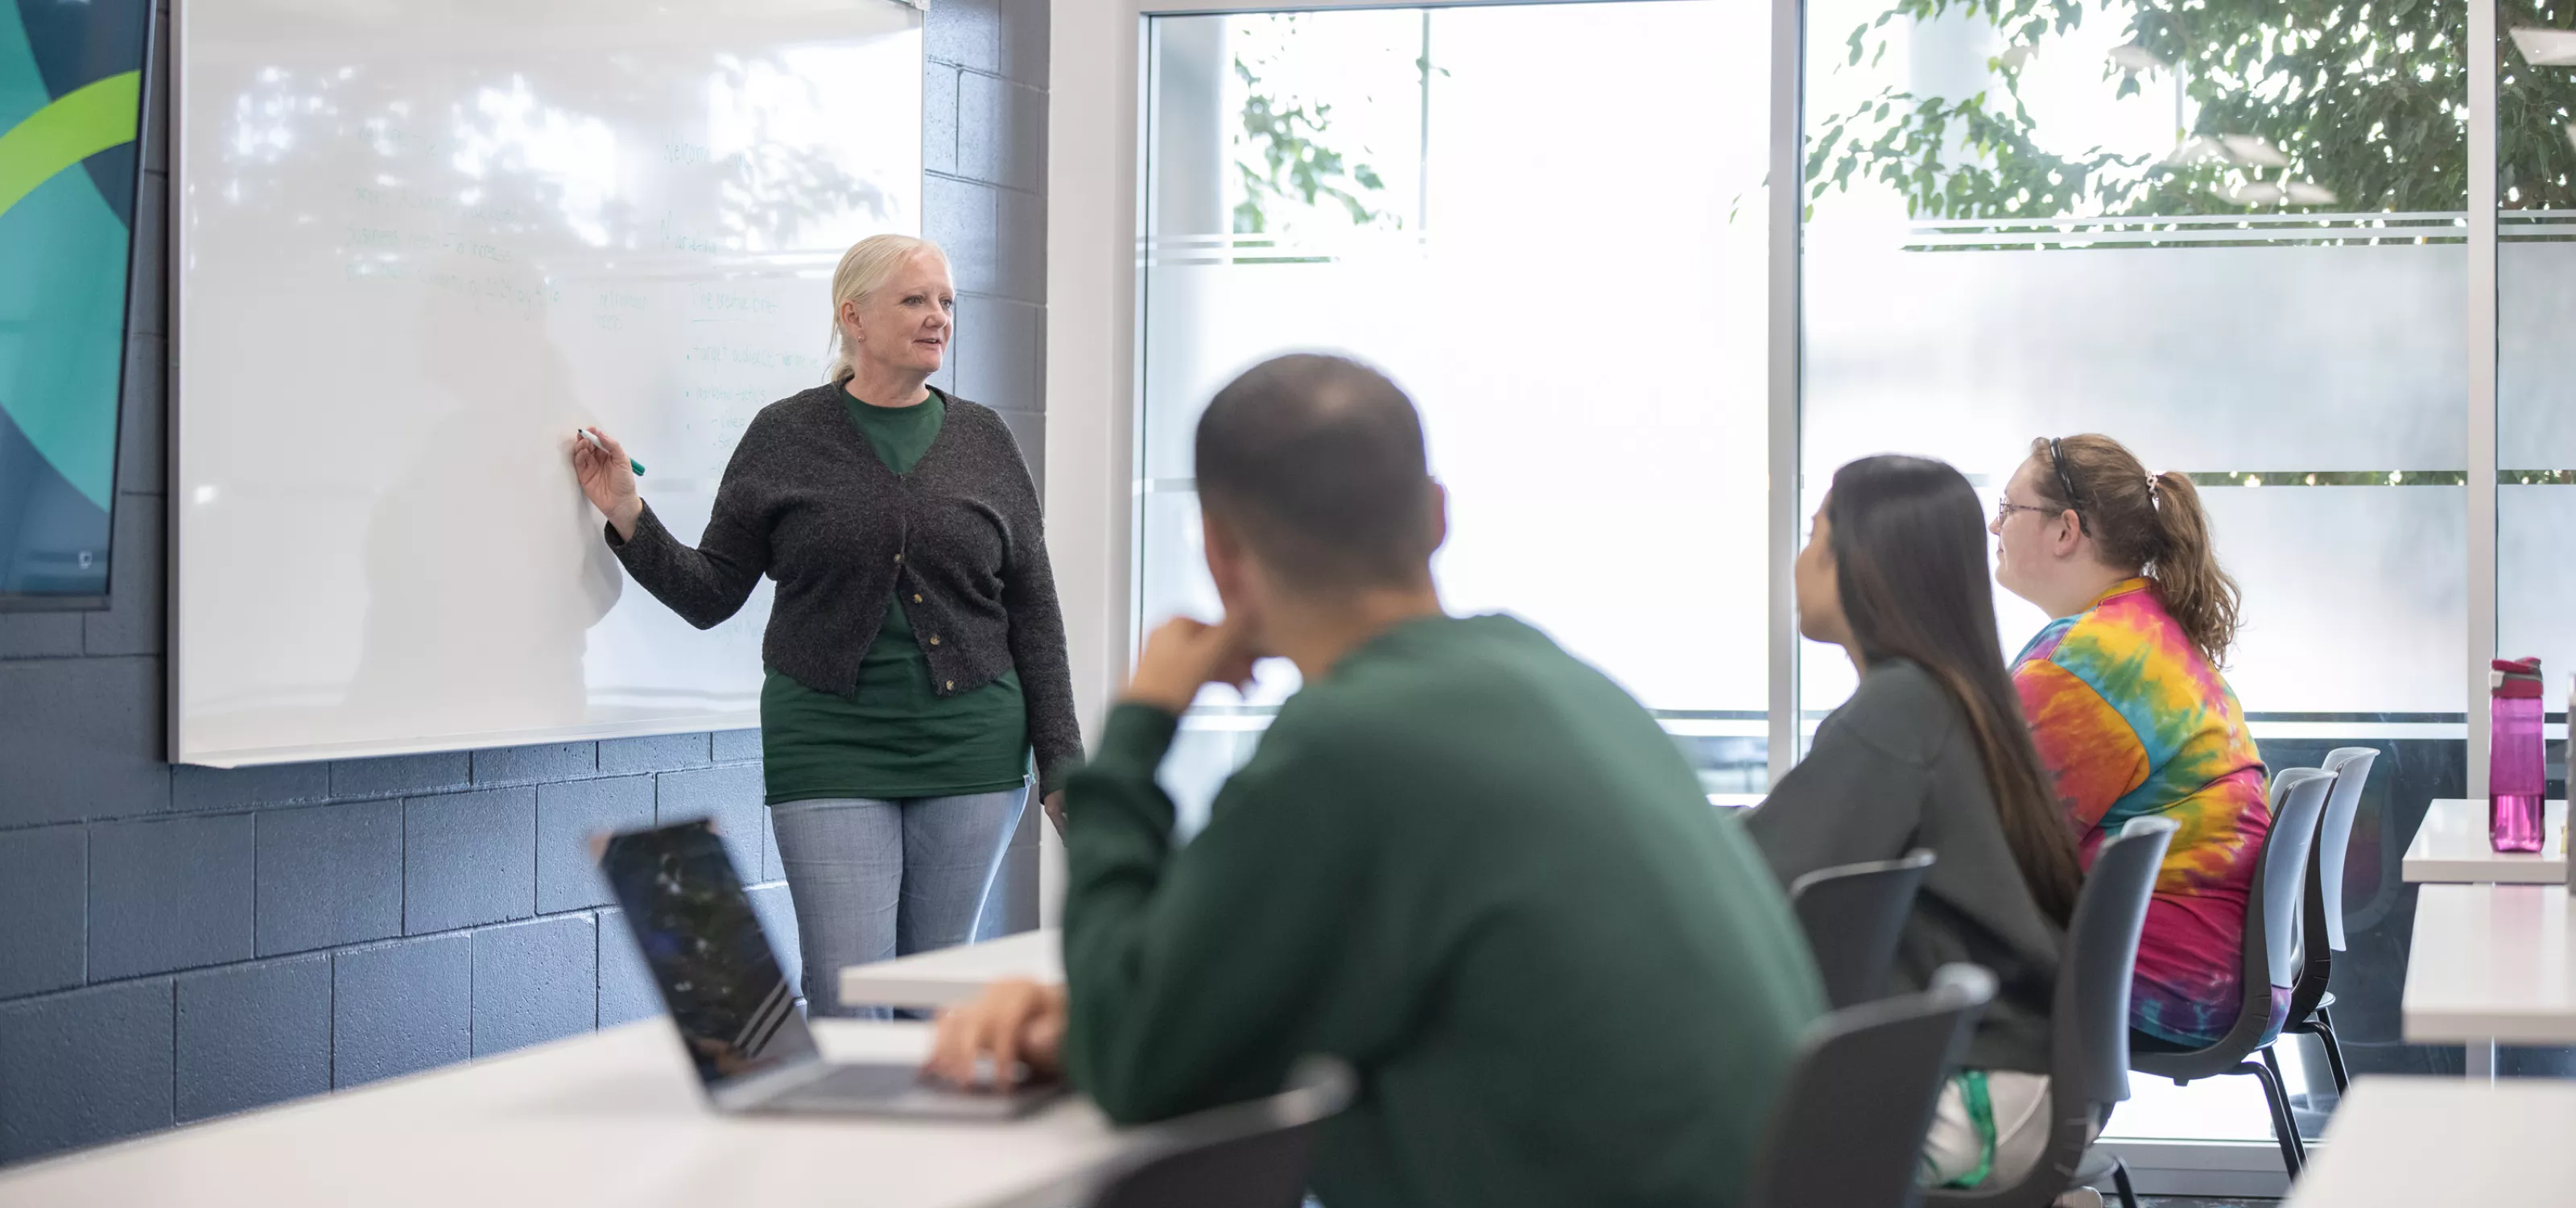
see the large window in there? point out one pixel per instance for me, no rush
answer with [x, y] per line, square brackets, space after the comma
[1569, 279]
[2234, 237]
[2243, 236]
[2536, 345]
[2155, 249]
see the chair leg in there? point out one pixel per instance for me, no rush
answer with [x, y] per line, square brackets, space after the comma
[2273, 1063]
[2284, 1128]
[2120, 1181]
[2334, 1051]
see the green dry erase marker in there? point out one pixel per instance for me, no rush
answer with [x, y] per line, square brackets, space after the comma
[631, 463]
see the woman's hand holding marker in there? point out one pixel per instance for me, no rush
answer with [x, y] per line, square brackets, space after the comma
[608, 478]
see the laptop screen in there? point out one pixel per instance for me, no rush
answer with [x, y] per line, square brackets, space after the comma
[717, 974]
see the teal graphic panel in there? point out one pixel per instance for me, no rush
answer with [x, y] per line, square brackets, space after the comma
[70, 106]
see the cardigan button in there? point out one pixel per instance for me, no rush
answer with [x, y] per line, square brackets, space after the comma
[898, 557]
[916, 597]
[934, 639]
[948, 686]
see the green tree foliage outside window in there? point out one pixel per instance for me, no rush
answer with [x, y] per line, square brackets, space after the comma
[2336, 105]
[1280, 154]
[1288, 161]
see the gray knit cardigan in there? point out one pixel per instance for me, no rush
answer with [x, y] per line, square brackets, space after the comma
[806, 502]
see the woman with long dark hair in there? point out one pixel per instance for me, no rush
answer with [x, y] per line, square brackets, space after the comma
[2129, 711]
[1931, 751]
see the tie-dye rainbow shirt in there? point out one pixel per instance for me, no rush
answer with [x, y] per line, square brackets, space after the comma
[2133, 721]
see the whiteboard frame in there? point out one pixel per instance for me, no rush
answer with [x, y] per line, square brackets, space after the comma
[175, 730]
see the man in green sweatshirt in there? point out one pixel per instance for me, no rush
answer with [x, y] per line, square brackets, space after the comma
[1462, 860]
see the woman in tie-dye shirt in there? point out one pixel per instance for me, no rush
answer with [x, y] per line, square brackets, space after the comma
[2129, 712]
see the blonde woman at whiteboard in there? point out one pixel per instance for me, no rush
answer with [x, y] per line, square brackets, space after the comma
[915, 651]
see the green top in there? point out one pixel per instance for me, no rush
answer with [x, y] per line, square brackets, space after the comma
[1473, 867]
[895, 737]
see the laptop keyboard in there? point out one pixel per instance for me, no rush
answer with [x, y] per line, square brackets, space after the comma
[856, 1083]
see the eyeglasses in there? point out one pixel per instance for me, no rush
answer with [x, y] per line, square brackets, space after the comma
[2005, 507]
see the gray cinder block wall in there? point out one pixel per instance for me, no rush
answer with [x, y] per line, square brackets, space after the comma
[179, 942]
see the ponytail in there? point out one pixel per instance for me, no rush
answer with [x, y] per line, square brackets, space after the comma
[2153, 522]
[2201, 597]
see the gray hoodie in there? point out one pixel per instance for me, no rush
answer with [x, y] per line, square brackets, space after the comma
[1896, 768]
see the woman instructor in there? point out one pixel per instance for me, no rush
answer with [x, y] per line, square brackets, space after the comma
[915, 651]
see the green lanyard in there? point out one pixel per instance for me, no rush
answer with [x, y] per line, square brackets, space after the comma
[1981, 1113]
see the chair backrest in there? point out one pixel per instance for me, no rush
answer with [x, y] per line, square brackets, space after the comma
[1244, 1155]
[1852, 914]
[2089, 1013]
[1848, 1126]
[2273, 925]
[2089, 1020]
[2272, 922]
[2351, 768]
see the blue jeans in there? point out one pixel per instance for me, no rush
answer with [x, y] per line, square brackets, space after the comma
[878, 879]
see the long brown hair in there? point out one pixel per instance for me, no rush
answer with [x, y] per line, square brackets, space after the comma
[2152, 522]
[1909, 545]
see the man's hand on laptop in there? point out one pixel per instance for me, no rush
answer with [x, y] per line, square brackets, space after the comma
[1185, 655]
[987, 1042]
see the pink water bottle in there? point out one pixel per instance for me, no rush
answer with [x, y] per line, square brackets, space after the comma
[2517, 776]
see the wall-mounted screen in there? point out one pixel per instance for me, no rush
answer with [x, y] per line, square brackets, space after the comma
[71, 91]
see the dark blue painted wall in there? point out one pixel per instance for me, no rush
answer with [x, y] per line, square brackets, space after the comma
[180, 942]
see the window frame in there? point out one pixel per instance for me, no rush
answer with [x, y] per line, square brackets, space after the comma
[1095, 227]
[1096, 194]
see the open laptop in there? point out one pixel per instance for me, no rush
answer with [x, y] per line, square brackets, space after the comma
[734, 1008]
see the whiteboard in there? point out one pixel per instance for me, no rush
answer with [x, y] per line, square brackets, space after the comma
[416, 244]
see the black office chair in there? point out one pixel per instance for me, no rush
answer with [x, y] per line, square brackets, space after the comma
[2321, 934]
[1852, 914]
[1243, 1155]
[2088, 1025]
[2272, 922]
[1847, 1130]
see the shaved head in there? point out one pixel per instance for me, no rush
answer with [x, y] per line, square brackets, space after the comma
[1319, 462]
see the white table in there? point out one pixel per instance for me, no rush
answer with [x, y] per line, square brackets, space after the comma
[936, 979]
[2452, 845]
[613, 1118]
[2413, 1142]
[2491, 963]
